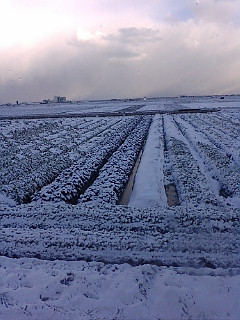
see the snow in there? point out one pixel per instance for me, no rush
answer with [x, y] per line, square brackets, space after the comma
[148, 189]
[84, 107]
[179, 236]
[38, 289]
[6, 200]
[114, 175]
[106, 261]
[124, 105]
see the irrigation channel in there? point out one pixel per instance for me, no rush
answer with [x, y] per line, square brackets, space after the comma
[125, 198]
[172, 196]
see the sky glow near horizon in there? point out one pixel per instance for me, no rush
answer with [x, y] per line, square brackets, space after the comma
[100, 49]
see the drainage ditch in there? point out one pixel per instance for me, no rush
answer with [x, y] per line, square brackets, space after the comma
[126, 195]
[172, 196]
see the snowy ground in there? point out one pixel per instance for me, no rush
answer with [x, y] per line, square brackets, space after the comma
[58, 290]
[85, 107]
[99, 260]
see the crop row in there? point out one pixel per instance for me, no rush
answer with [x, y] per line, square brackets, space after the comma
[191, 182]
[25, 135]
[112, 217]
[228, 172]
[65, 157]
[221, 122]
[117, 234]
[190, 167]
[115, 173]
[219, 164]
[76, 179]
[216, 130]
[47, 156]
[26, 152]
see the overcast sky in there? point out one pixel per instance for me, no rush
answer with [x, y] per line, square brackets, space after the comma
[94, 49]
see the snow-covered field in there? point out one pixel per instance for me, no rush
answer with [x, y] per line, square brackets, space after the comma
[128, 106]
[37, 289]
[70, 251]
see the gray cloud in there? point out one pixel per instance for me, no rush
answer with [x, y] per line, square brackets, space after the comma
[186, 57]
[112, 49]
[134, 36]
[130, 42]
[87, 70]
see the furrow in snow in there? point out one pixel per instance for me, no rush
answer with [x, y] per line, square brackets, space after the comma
[148, 188]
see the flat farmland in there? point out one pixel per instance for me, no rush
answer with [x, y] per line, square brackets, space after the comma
[63, 181]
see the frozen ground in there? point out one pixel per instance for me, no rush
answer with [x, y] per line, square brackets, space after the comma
[58, 290]
[100, 260]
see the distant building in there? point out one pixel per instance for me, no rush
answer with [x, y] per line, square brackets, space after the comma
[57, 99]
[60, 99]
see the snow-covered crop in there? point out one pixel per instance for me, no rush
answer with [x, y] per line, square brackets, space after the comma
[217, 159]
[115, 173]
[75, 180]
[180, 236]
[37, 153]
